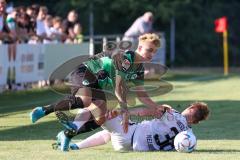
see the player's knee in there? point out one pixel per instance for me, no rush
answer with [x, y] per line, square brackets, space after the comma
[86, 100]
[106, 136]
[101, 104]
[98, 110]
[76, 102]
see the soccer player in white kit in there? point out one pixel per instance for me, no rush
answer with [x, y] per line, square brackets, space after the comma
[149, 135]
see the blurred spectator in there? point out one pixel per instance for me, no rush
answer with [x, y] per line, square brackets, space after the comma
[35, 10]
[31, 24]
[48, 23]
[78, 32]
[54, 33]
[4, 30]
[11, 20]
[29, 11]
[69, 23]
[141, 25]
[56, 30]
[32, 13]
[40, 27]
[24, 29]
[21, 9]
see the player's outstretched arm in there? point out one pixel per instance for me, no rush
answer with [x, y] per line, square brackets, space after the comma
[145, 99]
[141, 111]
[144, 111]
[120, 92]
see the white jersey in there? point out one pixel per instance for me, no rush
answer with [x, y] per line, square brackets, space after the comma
[158, 134]
[120, 140]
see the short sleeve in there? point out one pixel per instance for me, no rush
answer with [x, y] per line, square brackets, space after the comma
[123, 61]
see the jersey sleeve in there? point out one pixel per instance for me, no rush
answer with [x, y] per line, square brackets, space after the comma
[123, 61]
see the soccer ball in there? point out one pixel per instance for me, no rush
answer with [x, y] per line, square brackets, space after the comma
[185, 141]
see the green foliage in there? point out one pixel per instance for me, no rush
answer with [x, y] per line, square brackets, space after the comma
[197, 44]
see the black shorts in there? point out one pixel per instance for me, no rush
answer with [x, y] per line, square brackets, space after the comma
[81, 78]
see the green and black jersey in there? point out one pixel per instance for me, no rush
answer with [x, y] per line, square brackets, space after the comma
[107, 66]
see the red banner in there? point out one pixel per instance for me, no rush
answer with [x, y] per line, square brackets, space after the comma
[221, 24]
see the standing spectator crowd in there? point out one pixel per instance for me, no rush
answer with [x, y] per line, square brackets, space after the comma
[33, 24]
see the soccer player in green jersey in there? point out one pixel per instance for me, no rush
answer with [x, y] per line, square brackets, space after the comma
[99, 74]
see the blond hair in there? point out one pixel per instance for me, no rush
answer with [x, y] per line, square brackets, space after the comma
[150, 37]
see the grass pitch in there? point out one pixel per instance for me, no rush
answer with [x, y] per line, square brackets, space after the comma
[218, 137]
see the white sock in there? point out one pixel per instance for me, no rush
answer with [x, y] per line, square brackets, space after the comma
[97, 139]
[81, 118]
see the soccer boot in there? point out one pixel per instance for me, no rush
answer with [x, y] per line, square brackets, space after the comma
[36, 114]
[73, 146]
[64, 120]
[63, 140]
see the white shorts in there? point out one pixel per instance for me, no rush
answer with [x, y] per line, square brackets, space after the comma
[140, 138]
[120, 141]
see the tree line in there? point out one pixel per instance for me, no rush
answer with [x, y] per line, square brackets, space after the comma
[197, 44]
